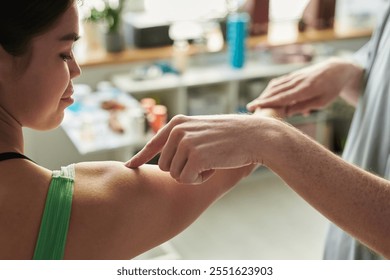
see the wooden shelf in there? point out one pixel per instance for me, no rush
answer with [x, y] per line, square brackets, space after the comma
[278, 35]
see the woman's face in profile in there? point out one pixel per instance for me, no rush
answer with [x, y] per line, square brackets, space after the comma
[38, 95]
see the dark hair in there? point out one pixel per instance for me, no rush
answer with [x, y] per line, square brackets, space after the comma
[25, 19]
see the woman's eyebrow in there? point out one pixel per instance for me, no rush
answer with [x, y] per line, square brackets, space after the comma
[70, 37]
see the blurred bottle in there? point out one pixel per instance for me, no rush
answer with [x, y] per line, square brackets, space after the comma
[236, 34]
[147, 105]
[180, 55]
[160, 116]
[181, 32]
[155, 115]
[318, 14]
[259, 16]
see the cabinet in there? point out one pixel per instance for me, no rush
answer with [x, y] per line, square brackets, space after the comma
[205, 89]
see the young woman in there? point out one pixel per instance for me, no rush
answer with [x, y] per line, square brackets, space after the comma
[94, 210]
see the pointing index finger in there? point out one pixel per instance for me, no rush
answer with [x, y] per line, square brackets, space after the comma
[151, 149]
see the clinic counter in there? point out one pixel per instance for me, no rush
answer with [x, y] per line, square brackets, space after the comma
[278, 35]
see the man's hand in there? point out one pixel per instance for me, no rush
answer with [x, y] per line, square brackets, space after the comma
[308, 89]
[193, 147]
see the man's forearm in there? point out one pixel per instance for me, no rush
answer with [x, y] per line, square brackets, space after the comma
[354, 199]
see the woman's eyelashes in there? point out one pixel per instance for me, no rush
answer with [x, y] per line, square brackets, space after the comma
[66, 56]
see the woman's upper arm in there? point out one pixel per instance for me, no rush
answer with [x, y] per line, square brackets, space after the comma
[118, 213]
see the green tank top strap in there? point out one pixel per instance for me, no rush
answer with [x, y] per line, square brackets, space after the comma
[55, 219]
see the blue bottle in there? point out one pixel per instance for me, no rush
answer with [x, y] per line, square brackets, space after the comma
[236, 34]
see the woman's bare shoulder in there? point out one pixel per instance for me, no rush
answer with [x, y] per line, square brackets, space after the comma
[23, 190]
[105, 195]
[110, 202]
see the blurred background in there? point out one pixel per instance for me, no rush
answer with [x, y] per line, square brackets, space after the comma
[144, 61]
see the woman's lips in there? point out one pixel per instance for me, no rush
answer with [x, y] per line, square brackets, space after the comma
[68, 95]
[68, 98]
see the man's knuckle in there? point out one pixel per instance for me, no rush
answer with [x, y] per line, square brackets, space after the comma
[178, 119]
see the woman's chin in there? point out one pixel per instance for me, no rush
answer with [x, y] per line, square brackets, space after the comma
[48, 124]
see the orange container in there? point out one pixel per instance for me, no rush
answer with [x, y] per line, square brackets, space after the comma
[160, 116]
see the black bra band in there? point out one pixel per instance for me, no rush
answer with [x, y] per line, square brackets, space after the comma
[12, 155]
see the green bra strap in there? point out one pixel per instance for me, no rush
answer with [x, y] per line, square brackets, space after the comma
[55, 220]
